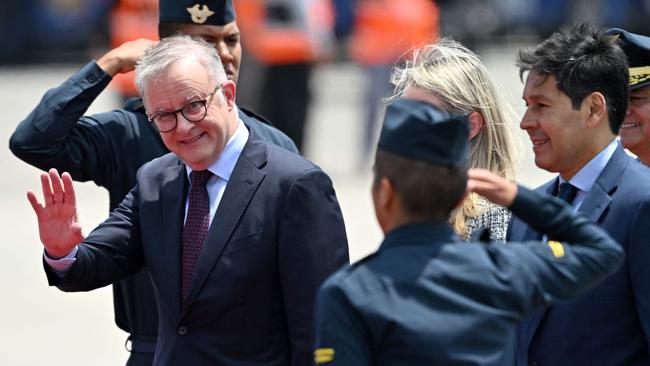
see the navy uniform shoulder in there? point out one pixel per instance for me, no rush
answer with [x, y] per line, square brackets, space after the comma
[265, 130]
[254, 115]
[134, 105]
[353, 279]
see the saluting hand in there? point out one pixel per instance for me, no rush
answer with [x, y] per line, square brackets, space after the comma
[494, 188]
[123, 58]
[58, 225]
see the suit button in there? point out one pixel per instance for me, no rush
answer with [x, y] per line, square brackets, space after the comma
[92, 78]
[182, 330]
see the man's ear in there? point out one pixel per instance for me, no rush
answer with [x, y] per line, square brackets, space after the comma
[597, 109]
[476, 122]
[386, 193]
[230, 92]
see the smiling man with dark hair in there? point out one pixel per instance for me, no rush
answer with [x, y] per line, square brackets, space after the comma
[576, 94]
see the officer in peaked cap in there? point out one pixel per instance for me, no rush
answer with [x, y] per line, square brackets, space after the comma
[208, 12]
[635, 131]
[108, 148]
[426, 298]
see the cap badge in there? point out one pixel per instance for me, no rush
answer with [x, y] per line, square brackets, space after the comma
[200, 13]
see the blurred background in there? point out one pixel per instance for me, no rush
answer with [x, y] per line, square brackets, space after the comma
[43, 42]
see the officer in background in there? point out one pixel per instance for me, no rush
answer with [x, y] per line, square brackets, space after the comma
[287, 38]
[635, 130]
[108, 148]
[425, 299]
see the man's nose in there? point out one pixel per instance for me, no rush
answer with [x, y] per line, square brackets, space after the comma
[223, 51]
[182, 123]
[526, 121]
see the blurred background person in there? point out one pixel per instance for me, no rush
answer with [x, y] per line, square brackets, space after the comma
[453, 78]
[131, 20]
[383, 31]
[286, 38]
[635, 130]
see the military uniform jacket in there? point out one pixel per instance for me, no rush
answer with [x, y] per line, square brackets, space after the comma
[425, 298]
[107, 148]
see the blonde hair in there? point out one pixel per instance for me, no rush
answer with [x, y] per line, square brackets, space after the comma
[459, 79]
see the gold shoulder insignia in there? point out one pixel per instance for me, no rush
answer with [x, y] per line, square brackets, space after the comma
[324, 355]
[557, 248]
[200, 13]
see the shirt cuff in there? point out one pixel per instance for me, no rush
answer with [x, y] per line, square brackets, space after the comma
[62, 265]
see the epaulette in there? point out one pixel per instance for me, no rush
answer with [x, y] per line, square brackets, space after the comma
[258, 117]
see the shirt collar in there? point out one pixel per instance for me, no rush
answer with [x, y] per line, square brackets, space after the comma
[225, 164]
[586, 177]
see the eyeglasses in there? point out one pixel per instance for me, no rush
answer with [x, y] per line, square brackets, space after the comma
[193, 111]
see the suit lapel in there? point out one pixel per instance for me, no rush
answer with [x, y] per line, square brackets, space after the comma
[244, 181]
[173, 192]
[599, 197]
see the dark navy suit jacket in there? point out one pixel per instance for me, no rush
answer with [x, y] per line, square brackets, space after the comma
[106, 148]
[277, 234]
[610, 325]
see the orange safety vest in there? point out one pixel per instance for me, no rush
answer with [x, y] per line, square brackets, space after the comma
[384, 30]
[305, 40]
[130, 20]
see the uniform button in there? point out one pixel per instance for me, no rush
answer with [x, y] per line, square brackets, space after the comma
[92, 78]
[182, 330]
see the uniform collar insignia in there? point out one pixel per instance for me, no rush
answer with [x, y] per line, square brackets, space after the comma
[200, 13]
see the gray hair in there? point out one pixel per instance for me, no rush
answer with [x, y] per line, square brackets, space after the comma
[171, 49]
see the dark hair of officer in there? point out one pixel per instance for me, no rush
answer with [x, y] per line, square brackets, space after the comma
[445, 185]
[583, 60]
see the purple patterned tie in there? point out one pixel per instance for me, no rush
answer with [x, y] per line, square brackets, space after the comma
[196, 228]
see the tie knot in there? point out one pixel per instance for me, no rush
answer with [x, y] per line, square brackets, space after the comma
[200, 178]
[567, 192]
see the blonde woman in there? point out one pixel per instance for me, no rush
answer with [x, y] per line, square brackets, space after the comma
[453, 78]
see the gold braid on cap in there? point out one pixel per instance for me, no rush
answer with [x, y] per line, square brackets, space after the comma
[639, 74]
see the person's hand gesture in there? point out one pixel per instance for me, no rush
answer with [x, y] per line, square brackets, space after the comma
[123, 58]
[491, 186]
[58, 225]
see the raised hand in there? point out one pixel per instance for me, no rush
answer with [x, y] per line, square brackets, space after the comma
[58, 225]
[123, 58]
[491, 186]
